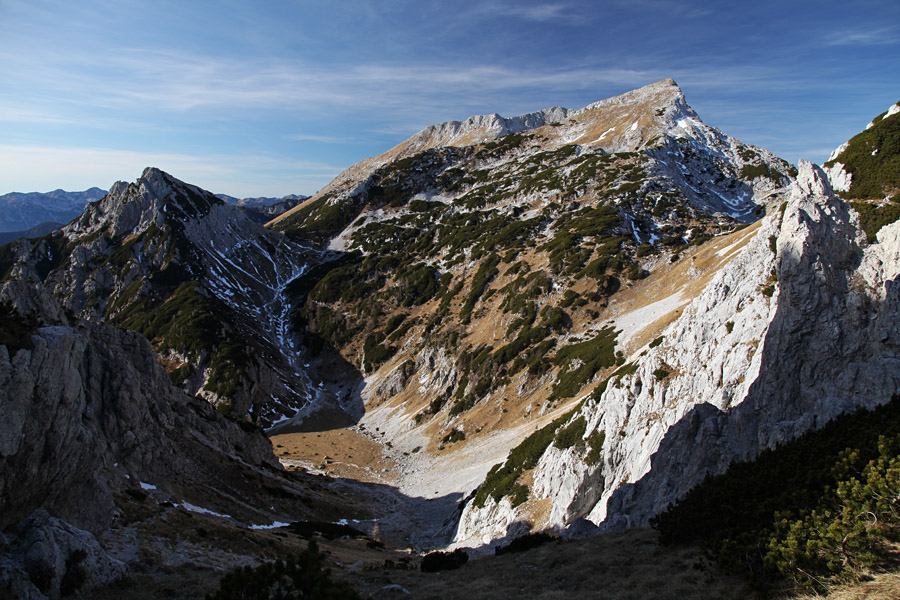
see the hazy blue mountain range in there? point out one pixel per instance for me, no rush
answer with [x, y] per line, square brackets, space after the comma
[22, 211]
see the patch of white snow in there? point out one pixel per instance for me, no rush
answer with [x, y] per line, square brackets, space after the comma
[202, 511]
[274, 525]
[633, 322]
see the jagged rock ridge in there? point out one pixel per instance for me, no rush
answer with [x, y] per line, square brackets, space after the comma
[196, 276]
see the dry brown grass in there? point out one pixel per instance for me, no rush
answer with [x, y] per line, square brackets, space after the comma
[880, 586]
[629, 565]
[339, 453]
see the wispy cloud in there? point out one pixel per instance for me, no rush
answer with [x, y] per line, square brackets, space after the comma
[153, 83]
[564, 13]
[866, 37]
[157, 81]
[39, 167]
[322, 139]
[684, 9]
[540, 12]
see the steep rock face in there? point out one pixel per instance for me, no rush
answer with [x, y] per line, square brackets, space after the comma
[46, 557]
[87, 409]
[94, 432]
[800, 327]
[196, 276]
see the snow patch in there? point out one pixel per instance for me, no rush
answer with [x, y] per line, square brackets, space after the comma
[635, 321]
[274, 525]
[200, 510]
[604, 134]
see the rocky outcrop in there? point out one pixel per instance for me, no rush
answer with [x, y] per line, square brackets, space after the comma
[89, 411]
[481, 128]
[45, 557]
[839, 179]
[159, 238]
[800, 327]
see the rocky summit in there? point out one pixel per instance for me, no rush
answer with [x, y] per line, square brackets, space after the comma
[560, 322]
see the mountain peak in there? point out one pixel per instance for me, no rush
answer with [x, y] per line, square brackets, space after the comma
[132, 207]
[665, 91]
[660, 99]
[626, 122]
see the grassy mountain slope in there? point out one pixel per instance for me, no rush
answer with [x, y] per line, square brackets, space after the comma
[872, 161]
[484, 287]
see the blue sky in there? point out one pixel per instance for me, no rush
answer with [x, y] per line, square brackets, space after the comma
[277, 97]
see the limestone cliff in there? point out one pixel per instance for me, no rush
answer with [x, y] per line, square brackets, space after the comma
[799, 327]
[88, 412]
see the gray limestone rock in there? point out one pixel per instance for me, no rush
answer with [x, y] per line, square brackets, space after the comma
[748, 369]
[49, 558]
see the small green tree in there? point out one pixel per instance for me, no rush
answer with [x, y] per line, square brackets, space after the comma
[298, 577]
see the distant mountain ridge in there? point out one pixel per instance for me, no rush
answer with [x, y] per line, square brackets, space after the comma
[21, 211]
[26, 213]
[261, 200]
[263, 209]
[36, 231]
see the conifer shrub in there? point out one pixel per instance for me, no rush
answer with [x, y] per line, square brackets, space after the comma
[418, 285]
[227, 368]
[872, 217]
[375, 353]
[873, 158]
[753, 171]
[571, 434]
[297, 577]
[525, 542]
[823, 523]
[434, 562]
[483, 277]
[502, 479]
[590, 356]
[595, 444]
[403, 329]
[454, 436]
